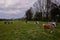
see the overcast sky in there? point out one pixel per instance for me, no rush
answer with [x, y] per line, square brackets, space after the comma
[14, 8]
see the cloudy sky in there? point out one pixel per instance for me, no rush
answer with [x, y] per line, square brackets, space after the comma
[14, 8]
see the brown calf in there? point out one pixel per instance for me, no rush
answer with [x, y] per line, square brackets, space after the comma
[48, 26]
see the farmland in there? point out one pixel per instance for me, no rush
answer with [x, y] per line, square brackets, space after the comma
[19, 30]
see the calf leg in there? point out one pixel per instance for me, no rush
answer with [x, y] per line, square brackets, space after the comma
[51, 30]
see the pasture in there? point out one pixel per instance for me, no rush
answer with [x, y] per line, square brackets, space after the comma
[19, 30]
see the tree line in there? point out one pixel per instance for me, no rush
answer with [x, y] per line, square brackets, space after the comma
[54, 14]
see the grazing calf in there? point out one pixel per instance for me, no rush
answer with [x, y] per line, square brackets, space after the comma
[36, 22]
[48, 26]
[7, 22]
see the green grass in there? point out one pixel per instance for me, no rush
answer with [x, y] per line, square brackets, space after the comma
[19, 30]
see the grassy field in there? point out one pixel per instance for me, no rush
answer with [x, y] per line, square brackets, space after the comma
[19, 30]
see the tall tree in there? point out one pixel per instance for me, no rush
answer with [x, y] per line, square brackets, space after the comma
[29, 15]
[55, 12]
[38, 16]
